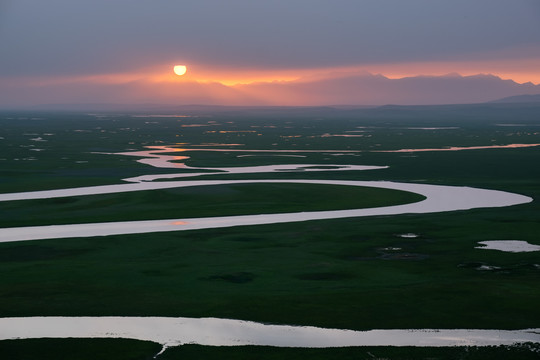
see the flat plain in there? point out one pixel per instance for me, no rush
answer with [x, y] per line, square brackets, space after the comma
[355, 273]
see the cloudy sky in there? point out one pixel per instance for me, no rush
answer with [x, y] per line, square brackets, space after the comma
[124, 50]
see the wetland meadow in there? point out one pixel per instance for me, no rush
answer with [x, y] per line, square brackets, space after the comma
[239, 233]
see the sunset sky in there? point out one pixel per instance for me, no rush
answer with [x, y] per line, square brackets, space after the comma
[63, 51]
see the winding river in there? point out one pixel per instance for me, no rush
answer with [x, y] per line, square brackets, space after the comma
[438, 198]
[225, 332]
[228, 332]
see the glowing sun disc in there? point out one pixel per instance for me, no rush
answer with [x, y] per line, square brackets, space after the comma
[180, 69]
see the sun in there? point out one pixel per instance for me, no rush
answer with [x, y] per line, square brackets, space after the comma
[180, 70]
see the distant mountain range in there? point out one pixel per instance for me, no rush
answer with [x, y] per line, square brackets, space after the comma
[335, 90]
[369, 89]
[518, 99]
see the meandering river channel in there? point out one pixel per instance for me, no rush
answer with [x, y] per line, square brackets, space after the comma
[228, 332]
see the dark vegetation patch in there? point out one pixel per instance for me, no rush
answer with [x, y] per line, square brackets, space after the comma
[235, 278]
[472, 265]
[79, 349]
[127, 349]
[58, 201]
[404, 256]
[243, 238]
[199, 201]
[527, 351]
[35, 253]
[325, 276]
[153, 272]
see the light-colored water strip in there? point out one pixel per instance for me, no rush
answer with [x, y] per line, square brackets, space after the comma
[226, 332]
[459, 148]
[255, 170]
[438, 198]
[514, 246]
[154, 156]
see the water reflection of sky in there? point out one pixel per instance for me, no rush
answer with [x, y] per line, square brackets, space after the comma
[437, 198]
[508, 246]
[458, 148]
[227, 332]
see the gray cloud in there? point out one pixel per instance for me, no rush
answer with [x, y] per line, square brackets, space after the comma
[70, 37]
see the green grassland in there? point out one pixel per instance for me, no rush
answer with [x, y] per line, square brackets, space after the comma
[121, 349]
[79, 349]
[332, 273]
[199, 201]
[522, 352]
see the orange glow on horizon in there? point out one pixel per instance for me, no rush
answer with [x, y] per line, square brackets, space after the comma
[518, 70]
[397, 71]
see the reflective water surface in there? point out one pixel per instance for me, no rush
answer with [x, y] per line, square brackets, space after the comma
[508, 246]
[227, 332]
[438, 198]
[458, 148]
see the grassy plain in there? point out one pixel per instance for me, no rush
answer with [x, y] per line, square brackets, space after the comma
[92, 349]
[199, 201]
[332, 273]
